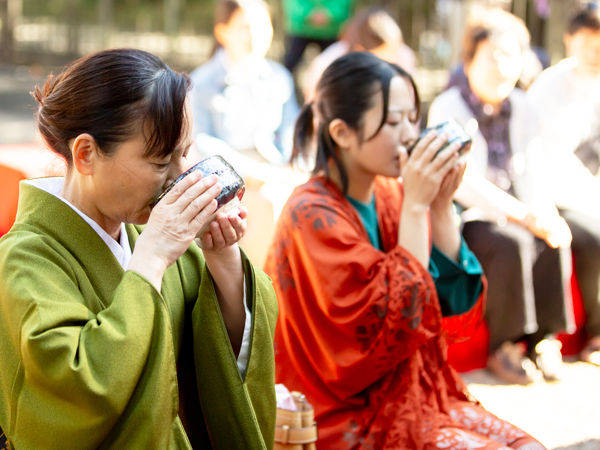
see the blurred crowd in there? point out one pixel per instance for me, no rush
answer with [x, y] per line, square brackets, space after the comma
[359, 212]
[528, 204]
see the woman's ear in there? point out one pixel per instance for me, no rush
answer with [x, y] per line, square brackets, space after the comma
[220, 32]
[85, 153]
[341, 134]
[567, 40]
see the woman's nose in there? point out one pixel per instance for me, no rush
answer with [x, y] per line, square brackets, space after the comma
[408, 133]
[176, 168]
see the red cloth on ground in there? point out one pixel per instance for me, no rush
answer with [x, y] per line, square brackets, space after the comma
[9, 187]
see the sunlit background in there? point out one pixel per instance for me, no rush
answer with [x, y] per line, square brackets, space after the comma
[41, 36]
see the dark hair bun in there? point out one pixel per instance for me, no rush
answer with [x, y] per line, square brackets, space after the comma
[112, 95]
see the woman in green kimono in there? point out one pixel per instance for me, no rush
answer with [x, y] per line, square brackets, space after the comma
[120, 336]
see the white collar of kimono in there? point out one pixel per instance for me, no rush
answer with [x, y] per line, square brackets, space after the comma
[121, 249]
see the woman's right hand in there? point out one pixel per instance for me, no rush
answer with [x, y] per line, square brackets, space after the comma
[423, 172]
[173, 225]
[550, 227]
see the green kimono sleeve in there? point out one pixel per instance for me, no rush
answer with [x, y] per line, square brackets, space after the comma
[79, 373]
[459, 284]
[239, 413]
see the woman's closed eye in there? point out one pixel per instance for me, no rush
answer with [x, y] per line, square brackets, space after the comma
[162, 166]
[396, 117]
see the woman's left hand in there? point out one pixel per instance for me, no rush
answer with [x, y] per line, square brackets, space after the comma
[224, 261]
[448, 188]
[225, 231]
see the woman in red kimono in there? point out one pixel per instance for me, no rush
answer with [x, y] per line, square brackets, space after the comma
[366, 301]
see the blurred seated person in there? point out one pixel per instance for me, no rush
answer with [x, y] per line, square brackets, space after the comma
[510, 222]
[244, 110]
[566, 100]
[532, 65]
[372, 30]
[312, 22]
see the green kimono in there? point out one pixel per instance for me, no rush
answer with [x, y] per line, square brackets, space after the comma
[94, 357]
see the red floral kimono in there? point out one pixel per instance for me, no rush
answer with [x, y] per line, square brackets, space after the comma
[360, 331]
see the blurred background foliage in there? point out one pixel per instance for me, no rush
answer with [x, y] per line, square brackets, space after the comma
[52, 32]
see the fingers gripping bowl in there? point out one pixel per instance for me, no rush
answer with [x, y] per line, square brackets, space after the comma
[455, 134]
[232, 186]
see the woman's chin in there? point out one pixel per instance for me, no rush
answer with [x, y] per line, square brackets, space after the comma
[141, 218]
[390, 174]
[393, 172]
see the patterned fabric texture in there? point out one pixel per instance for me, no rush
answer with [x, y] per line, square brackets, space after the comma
[482, 430]
[360, 331]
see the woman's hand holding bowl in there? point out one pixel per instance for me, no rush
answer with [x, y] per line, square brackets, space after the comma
[423, 172]
[225, 231]
[175, 222]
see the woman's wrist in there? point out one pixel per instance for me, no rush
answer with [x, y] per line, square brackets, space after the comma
[227, 273]
[148, 265]
[519, 214]
[226, 255]
[528, 221]
[225, 261]
[441, 212]
[413, 233]
[445, 231]
[414, 208]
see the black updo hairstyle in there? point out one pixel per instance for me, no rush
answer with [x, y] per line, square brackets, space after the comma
[346, 91]
[113, 95]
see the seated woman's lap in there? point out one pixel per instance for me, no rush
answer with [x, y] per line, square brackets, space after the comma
[482, 430]
[521, 270]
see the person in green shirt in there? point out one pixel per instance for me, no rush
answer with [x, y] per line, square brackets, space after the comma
[312, 21]
[120, 326]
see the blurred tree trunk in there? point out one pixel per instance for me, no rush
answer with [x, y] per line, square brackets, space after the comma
[171, 14]
[560, 10]
[456, 28]
[405, 20]
[520, 9]
[10, 11]
[72, 19]
[105, 19]
[6, 35]
[391, 6]
[277, 50]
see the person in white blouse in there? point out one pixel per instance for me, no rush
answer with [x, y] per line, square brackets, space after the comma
[245, 108]
[566, 102]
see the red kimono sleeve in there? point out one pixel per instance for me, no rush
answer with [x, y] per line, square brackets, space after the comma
[350, 311]
[463, 327]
